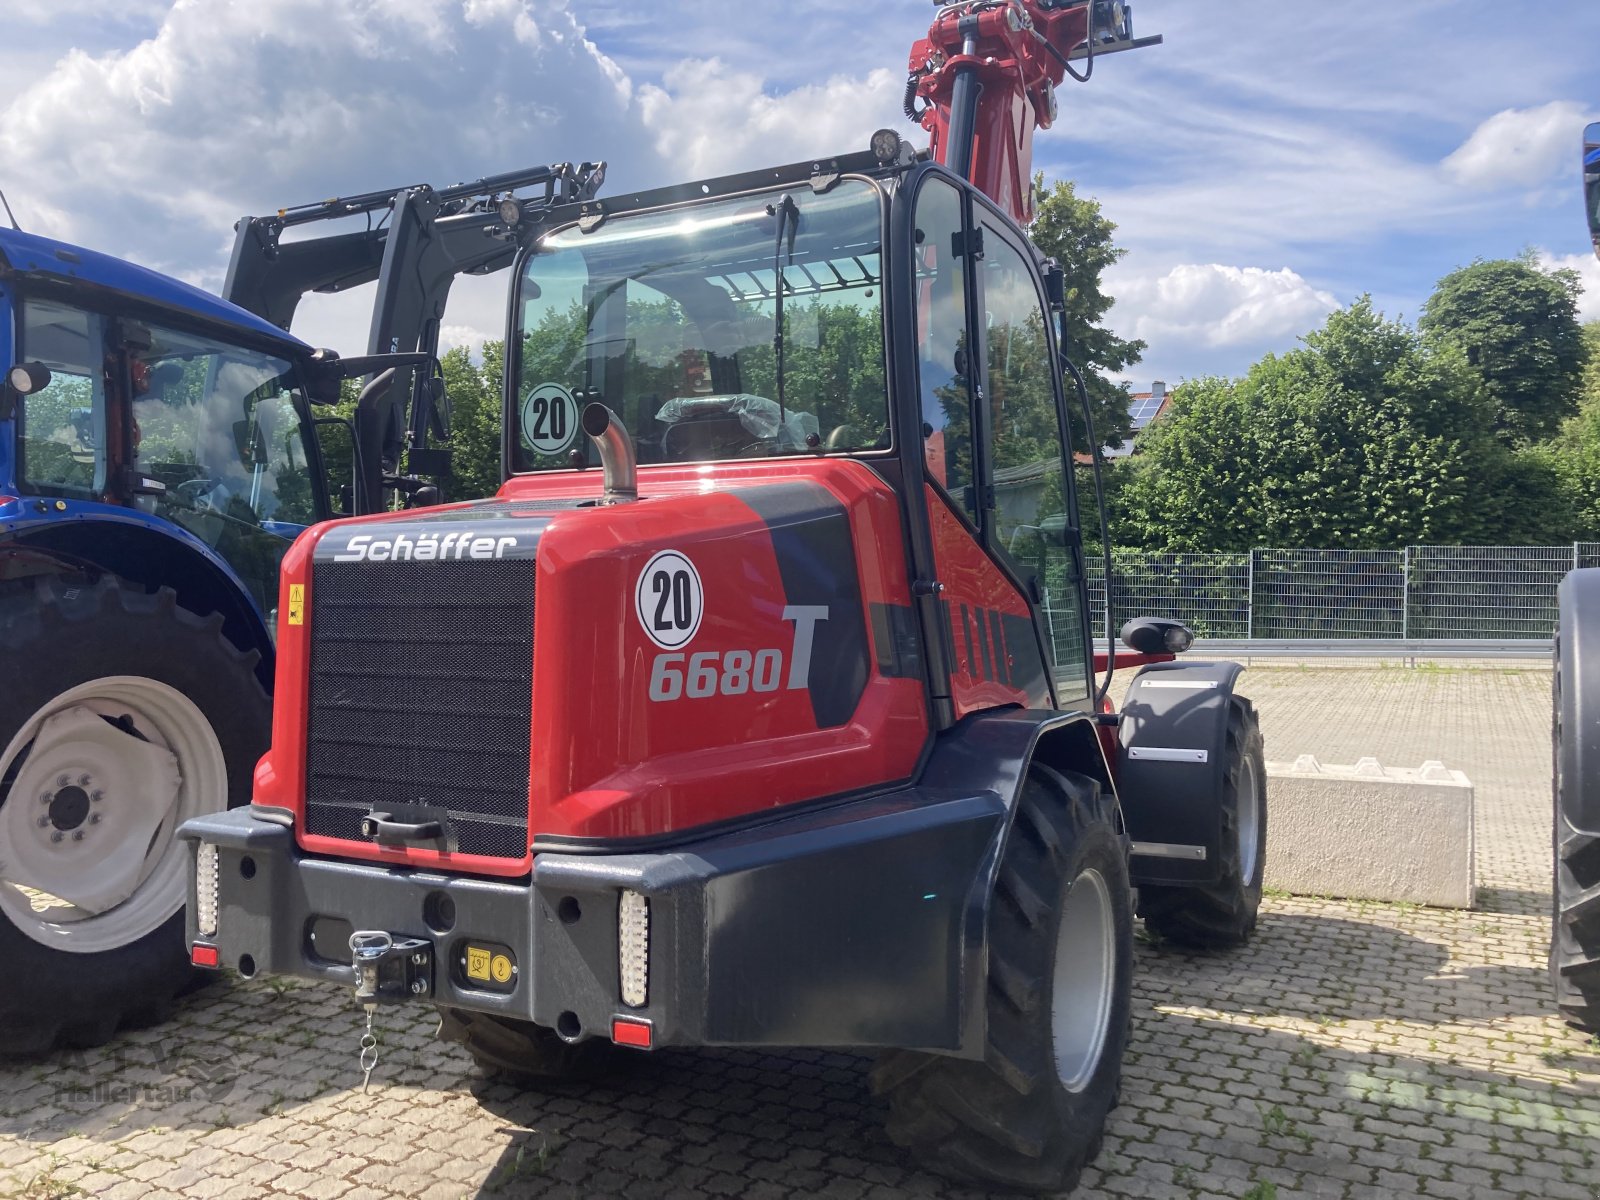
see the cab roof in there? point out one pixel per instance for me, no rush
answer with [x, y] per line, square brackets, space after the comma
[30, 255]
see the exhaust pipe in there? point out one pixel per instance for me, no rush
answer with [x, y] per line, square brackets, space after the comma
[616, 453]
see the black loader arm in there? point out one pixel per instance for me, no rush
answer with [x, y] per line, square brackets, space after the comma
[418, 239]
[1577, 663]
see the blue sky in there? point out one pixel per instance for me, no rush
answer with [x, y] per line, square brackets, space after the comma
[1269, 162]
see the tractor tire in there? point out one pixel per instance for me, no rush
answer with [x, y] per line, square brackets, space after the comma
[1031, 1114]
[1220, 915]
[522, 1052]
[122, 715]
[1575, 897]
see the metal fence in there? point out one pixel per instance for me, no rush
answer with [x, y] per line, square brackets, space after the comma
[1487, 594]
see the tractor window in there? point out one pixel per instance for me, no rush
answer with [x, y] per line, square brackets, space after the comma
[673, 320]
[942, 368]
[218, 427]
[62, 447]
[1028, 465]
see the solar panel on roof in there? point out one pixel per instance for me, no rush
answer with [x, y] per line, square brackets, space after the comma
[1143, 410]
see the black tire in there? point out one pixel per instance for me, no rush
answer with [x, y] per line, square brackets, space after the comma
[1222, 914]
[523, 1052]
[1575, 896]
[57, 635]
[1010, 1120]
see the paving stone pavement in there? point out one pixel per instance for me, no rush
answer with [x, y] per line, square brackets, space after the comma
[1352, 1050]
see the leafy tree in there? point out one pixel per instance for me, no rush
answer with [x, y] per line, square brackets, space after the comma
[1366, 437]
[1518, 328]
[1071, 229]
[474, 391]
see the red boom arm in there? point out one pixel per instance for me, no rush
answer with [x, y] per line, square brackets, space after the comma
[987, 74]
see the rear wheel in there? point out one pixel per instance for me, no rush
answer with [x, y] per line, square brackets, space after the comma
[1032, 1113]
[1223, 914]
[522, 1051]
[1575, 916]
[123, 716]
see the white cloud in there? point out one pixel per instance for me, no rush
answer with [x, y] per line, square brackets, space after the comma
[238, 106]
[1588, 268]
[709, 119]
[1211, 305]
[1521, 147]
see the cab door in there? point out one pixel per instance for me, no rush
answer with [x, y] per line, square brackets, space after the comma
[998, 494]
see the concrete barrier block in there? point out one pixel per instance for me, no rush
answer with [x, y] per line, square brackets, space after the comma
[1370, 832]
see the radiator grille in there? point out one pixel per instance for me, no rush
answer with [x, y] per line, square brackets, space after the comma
[421, 694]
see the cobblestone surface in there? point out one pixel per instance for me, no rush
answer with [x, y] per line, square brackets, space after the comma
[1353, 1050]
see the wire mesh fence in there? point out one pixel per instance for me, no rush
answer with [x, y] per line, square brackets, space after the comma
[1420, 593]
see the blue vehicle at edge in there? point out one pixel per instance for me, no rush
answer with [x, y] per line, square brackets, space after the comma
[157, 457]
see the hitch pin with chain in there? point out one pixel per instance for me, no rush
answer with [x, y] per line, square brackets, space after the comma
[367, 949]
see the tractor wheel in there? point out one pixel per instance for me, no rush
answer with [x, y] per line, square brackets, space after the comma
[522, 1051]
[1575, 916]
[1223, 914]
[1031, 1114]
[122, 716]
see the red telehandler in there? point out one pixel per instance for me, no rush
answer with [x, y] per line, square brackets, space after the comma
[759, 706]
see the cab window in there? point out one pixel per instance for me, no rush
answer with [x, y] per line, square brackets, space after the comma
[62, 440]
[1032, 508]
[941, 322]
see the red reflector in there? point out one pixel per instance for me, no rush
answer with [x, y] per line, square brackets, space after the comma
[631, 1033]
[204, 956]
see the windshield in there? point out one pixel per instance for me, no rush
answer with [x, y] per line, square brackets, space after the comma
[671, 319]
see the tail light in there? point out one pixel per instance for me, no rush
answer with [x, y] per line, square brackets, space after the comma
[633, 948]
[205, 890]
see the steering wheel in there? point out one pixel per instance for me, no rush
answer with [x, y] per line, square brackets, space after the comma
[191, 490]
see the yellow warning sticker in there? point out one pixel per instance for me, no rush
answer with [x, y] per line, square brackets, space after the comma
[478, 963]
[297, 604]
[500, 968]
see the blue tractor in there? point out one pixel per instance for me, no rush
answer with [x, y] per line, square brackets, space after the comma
[159, 451]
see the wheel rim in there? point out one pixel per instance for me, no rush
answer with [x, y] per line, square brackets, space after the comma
[99, 780]
[1085, 980]
[1249, 818]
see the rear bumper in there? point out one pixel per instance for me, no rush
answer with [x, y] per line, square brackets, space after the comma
[856, 926]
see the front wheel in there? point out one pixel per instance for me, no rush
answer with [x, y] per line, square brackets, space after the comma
[1223, 914]
[1032, 1113]
[123, 716]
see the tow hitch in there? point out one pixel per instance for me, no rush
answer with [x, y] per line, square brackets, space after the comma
[389, 970]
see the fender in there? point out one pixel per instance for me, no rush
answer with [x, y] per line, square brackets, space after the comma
[1170, 767]
[93, 538]
[991, 752]
[1577, 750]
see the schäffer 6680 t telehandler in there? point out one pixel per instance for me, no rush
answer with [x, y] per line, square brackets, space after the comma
[758, 707]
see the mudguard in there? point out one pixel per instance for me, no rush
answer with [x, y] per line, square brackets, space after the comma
[1171, 767]
[1577, 749]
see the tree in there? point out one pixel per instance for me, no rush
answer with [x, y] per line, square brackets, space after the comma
[474, 391]
[1518, 328]
[1072, 230]
[1365, 437]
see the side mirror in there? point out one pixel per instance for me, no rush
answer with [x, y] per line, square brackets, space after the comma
[1156, 635]
[28, 378]
[1591, 182]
